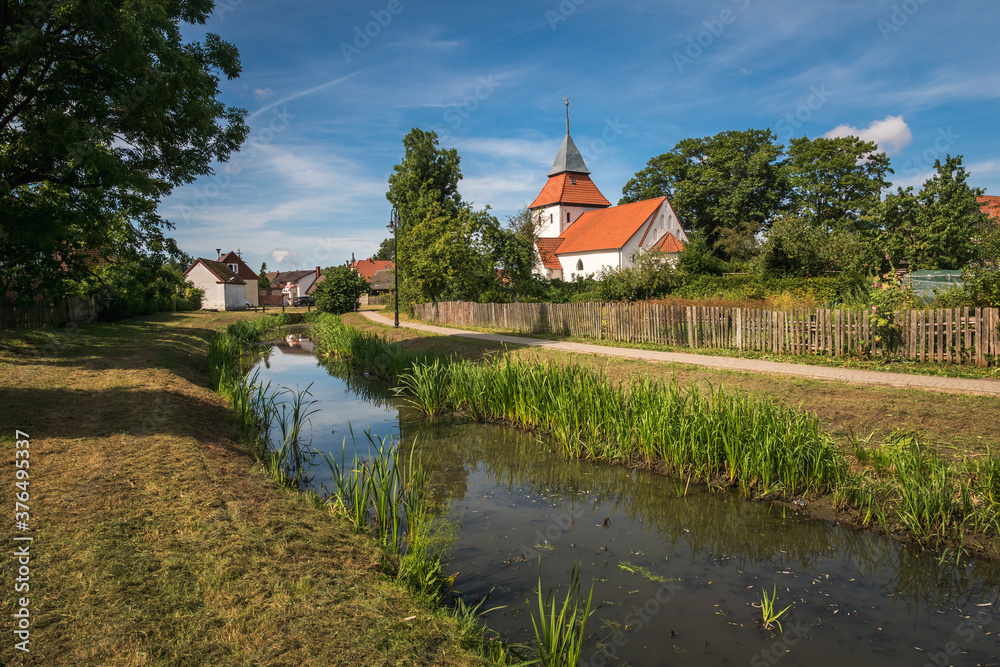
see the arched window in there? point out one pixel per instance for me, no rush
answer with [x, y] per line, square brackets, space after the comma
[579, 265]
[550, 218]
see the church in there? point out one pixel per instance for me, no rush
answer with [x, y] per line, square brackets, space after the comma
[580, 232]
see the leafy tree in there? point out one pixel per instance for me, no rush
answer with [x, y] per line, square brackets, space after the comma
[104, 109]
[339, 290]
[426, 179]
[799, 246]
[697, 258]
[444, 253]
[263, 282]
[938, 227]
[835, 182]
[729, 186]
[386, 250]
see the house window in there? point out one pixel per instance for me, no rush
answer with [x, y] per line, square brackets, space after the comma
[579, 265]
[235, 268]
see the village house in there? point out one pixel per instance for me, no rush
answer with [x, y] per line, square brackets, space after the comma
[294, 283]
[223, 288]
[580, 233]
[240, 268]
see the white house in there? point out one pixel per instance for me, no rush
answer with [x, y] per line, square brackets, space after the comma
[580, 233]
[295, 283]
[224, 290]
[240, 268]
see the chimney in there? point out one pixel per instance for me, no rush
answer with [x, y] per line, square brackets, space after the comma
[318, 272]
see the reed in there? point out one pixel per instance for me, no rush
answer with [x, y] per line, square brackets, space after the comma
[560, 628]
[768, 616]
[737, 440]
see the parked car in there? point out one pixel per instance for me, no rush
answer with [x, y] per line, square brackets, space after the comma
[303, 301]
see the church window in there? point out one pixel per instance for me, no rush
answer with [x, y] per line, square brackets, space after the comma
[550, 218]
[579, 265]
[567, 217]
[572, 179]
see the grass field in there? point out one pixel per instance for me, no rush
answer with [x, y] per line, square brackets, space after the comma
[154, 540]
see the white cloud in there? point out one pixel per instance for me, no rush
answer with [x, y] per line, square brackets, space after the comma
[263, 94]
[892, 134]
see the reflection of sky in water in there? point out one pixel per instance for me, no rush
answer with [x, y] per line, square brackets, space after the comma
[676, 576]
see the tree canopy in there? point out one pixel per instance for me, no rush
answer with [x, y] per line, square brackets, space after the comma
[835, 182]
[938, 227]
[426, 179]
[728, 186]
[104, 109]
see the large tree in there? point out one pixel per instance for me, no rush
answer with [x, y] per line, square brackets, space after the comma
[104, 109]
[835, 182]
[938, 227]
[426, 179]
[729, 186]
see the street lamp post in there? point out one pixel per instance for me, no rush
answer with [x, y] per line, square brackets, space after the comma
[394, 223]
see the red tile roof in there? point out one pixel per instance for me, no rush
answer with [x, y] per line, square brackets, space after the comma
[609, 228]
[669, 243]
[991, 206]
[547, 251]
[568, 188]
[368, 267]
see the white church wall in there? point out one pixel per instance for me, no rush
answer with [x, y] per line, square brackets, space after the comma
[592, 263]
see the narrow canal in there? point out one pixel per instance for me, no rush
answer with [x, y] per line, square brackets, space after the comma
[678, 574]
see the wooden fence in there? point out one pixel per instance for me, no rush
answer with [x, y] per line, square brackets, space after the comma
[44, 314]
[961, 336]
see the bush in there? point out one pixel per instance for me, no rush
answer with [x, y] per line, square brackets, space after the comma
[339, 291]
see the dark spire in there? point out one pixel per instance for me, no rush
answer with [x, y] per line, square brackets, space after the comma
[568, 158]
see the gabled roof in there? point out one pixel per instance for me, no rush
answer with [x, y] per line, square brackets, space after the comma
[991, 205]
[669, 243]
[568, 158]
[219, 270]
[242, 270]
[609, 228]
[285, 277]
[368, 267]
[382, 280]
[312, 288]
[570, 189]
[547, 251]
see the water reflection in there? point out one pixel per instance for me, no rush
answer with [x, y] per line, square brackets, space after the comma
[855, 596]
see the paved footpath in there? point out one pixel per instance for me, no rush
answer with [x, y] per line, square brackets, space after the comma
[928, 382]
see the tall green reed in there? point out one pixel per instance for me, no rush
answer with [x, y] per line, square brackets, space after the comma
[561, 628]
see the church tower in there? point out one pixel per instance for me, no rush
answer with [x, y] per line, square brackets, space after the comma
[569, 192]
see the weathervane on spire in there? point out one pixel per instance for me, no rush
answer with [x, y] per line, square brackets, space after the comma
[566, 100]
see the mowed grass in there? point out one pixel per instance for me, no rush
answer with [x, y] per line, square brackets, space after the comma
[954, 425]
[155, 540]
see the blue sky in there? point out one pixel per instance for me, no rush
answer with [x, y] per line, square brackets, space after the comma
[333, 87]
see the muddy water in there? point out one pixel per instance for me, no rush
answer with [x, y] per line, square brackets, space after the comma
[678, 574]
